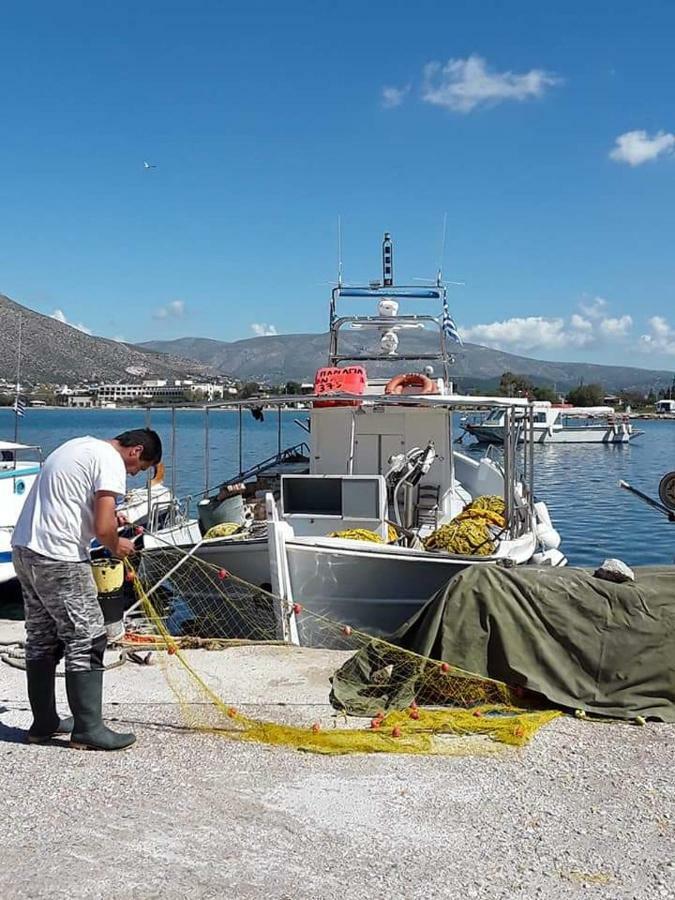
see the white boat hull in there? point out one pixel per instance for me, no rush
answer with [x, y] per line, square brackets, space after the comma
[373, 590]
[592, 434]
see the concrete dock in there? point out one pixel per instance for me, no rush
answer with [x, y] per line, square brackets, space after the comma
[585, 810]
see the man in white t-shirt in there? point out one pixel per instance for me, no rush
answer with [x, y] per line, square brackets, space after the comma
[72, 501]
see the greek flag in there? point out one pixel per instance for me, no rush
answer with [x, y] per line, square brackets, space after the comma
[19, 406]
[449, 327]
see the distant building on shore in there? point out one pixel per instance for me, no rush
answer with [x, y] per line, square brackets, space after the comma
[158, 389]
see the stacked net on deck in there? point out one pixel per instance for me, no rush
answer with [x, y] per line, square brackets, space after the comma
[384, 698]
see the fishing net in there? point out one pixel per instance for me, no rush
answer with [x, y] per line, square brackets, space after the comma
[383, 698]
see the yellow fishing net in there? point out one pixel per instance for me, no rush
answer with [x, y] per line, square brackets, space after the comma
[384, 698]
[474, 531]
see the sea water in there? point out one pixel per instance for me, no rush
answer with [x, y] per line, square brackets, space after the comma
[579, 482]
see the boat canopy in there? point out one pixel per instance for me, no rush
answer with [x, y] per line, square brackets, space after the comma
[459, 401]
[585, 410]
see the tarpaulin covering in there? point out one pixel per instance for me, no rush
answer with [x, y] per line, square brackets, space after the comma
[580, 641]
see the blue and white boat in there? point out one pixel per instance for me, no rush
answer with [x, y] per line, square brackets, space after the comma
[19, 467]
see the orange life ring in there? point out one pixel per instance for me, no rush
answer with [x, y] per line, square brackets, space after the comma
[158, 475]
[411, 383]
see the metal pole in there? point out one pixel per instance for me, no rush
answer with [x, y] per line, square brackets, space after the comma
[508, 439]
[148, 479]
[206, 451]
[279, 430]
[352, 431]
[173, 451]
[18, 385]
[241, 436]
[531, 463]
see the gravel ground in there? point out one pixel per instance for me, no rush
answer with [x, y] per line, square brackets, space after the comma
[585, 810]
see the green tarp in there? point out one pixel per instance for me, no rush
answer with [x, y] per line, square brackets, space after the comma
[581, 642]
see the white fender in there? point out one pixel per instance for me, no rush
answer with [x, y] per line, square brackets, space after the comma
[546, 535]
[552, 557]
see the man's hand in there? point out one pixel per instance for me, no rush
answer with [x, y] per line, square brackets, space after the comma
[124, 548]
[121, 519]
[105, 524]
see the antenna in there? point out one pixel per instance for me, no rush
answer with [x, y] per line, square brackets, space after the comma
[18, 383]
[387, 261]
[439, 277]
[339, 251]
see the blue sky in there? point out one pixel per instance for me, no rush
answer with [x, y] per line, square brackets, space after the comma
[546, 131]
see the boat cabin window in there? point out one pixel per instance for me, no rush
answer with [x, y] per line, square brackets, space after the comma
[322, 497]
[540, 416]
[340, 496]
[495, 415]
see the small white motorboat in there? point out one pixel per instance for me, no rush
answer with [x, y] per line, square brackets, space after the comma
[561, 424]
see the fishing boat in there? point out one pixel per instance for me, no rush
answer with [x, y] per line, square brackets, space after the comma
[561, 424]
[19, 467]
[384, 465]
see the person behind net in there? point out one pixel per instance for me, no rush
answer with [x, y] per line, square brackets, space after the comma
[71, 502]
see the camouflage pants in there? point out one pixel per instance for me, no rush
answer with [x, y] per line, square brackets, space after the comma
[63, 616]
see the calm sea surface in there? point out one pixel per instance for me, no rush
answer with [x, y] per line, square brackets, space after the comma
[579, 483]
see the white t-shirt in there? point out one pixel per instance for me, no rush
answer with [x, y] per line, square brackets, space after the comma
[57, 519]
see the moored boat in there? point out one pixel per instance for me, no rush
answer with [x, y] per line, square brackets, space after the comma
[561, 424]
[19, 467]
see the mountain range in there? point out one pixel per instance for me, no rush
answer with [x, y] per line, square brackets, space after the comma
[55, 352]
[278, 358]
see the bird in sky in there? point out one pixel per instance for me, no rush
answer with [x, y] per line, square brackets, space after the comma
[147, 165]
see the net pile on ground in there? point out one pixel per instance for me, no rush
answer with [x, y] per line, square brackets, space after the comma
[404, 702]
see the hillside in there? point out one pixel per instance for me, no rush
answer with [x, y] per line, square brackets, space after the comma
[55, 352]
[297, 356]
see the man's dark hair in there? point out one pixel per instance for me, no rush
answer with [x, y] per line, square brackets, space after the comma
[145, 437]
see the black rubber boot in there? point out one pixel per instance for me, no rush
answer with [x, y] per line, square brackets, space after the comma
[85, 694]
[40, 675]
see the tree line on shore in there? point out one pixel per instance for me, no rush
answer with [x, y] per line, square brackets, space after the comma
[513, 385]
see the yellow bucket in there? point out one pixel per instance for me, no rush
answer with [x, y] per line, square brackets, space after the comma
[108, 575]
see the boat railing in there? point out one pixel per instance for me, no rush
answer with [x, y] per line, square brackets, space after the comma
[296, 453]
[169, 513]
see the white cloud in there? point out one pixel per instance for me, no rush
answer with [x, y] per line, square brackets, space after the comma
[393, 96]
[173, 310]
[637, 147]
[536, 333]
[616, 327]
[261, 329]
[661, 339]
[580, 324]
[530, 333]
[463, 84]
[595, 308]
[60, 316]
